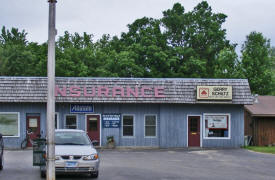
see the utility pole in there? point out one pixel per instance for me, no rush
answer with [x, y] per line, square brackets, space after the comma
[51, 95]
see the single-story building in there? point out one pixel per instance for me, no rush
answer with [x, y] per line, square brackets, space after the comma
[151, 112]
[260, 120]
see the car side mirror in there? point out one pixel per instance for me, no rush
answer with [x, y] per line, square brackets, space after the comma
[1, 136]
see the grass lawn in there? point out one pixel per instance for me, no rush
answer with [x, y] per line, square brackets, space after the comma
[263, 149]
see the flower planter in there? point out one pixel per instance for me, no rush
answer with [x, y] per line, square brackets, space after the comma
[110, 142]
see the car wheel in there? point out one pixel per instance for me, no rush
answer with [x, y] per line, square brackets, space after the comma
[94, 174]
[24, 144]
[42, 174]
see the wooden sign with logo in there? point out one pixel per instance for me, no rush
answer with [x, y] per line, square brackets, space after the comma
[214, 92]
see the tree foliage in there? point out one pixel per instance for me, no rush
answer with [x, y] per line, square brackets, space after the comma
[257, 63]
[228, 65]
[15, 58]
[180, 44]
[199, 32]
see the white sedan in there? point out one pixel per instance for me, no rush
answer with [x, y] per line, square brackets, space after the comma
[74, 153]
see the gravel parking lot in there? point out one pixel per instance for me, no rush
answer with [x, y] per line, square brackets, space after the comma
[160, 164]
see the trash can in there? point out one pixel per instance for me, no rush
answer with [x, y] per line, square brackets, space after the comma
[39, 150]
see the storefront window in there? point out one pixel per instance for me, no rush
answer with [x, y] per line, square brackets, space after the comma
[150, 125]
[9, 124]
[217, 126]
[128, 125]
[70, 122]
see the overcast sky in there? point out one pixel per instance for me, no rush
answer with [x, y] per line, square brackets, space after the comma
[99, 17]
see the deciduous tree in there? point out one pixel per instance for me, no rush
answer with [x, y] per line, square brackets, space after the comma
[199, 32]
[257, 63]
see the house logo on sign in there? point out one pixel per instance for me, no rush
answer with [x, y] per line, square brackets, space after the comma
[204, 92]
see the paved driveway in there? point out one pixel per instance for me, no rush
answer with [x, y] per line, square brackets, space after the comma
[159, 165]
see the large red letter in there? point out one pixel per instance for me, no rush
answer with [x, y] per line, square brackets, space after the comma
[87, 94]
[159, 92]
[131, 92]
[62, 92]
[74, 91]
[143, 94]
[103, 90]
[118, 91]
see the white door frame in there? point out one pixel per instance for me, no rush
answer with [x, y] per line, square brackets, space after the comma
[189, 115]
[99, 126]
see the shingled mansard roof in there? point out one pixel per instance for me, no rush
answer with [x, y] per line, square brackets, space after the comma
[163, 90]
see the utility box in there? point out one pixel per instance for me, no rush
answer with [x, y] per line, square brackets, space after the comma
[39, 151]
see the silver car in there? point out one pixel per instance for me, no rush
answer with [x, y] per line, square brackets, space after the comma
[74, 153]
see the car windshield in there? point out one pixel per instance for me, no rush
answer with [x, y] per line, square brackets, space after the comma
[71, 138]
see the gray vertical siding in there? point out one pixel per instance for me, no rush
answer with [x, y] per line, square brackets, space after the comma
[109, 108]
[174, 124]
[63, 110]
[237, 128]
[138, 111]
[171, 122]
[23, 109]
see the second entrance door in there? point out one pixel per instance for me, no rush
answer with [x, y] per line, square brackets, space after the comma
[33, 128]
[93, 127]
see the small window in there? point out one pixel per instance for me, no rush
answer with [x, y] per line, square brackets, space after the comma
[33, 124]
[93, 124]
[216, 126]
[9, 124]
[128, 125]
[71, 122]
[150, 125]
[194, 124]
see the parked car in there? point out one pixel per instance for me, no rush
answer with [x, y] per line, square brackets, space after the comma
[1, 152]
[74, 153]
